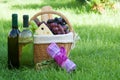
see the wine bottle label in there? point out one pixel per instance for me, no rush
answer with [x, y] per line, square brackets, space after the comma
[25, 36]
[26, 54]
[25, 40]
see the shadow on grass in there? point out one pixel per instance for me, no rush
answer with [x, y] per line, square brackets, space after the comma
[70, 5]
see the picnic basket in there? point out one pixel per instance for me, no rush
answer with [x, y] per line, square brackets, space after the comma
[40, 47]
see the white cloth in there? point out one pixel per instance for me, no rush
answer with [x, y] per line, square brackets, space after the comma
[44, 39]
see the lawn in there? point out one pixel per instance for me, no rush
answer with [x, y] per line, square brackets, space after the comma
[97, 53]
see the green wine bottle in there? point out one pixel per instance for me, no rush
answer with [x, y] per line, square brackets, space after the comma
[13, 46]
[26, 44]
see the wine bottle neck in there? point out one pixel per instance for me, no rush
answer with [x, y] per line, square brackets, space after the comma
[25, 21]
[14, 27]
[25, 25]
[25, 28]
[15, 21]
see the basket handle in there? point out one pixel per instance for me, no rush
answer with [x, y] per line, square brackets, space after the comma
[53, 12]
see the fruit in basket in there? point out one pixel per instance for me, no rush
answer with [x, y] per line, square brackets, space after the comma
[50, 21]
[52, 25]
[57, 20]
[66, 29]
[57, 29]
[58, 26]
[60, 21]
[61, 29]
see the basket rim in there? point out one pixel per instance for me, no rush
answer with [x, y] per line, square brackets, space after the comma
[65, 38]
[53, 12]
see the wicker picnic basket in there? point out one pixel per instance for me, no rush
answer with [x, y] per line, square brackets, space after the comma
[40, 49]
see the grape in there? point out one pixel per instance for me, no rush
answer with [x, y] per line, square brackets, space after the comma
[49, 26]
[65, 27]
[59, 32]
[55, 19]
[53, 24]
[60, 21]
[64, 21]
[55, 30]
[67, 31]
[58, 26]
[61, 29]
[50, 21]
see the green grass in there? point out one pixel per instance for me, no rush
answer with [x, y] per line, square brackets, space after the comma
[97, 53]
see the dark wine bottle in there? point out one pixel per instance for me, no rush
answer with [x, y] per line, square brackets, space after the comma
[13, 46]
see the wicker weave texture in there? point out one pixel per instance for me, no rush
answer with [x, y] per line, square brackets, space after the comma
[40, 51]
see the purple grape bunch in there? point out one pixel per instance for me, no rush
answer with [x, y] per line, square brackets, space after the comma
[58, 26]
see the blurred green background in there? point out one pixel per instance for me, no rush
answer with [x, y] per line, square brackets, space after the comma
[97, 53]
